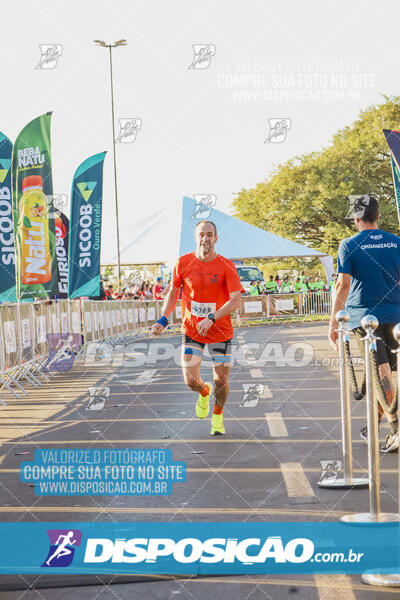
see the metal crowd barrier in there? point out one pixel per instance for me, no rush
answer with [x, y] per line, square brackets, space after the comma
[119, 322]
[36, 336]
[271, 307]
[315, 303]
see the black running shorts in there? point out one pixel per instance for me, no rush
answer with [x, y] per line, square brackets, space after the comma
[385, 343]
[220, 352]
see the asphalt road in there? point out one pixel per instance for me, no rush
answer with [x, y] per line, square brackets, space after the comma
[266, 468]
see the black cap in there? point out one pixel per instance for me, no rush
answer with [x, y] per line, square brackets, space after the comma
[364, 207]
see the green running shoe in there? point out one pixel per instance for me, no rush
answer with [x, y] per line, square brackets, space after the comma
[203, 404]
[217, 425]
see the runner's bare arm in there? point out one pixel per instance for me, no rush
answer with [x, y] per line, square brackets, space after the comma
[170, 301]
[168, 306]
[232, 304]
[341, 292]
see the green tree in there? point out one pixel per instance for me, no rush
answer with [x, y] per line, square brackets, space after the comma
[306, 199]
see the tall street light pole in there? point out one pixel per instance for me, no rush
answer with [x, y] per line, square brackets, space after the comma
[110, 47]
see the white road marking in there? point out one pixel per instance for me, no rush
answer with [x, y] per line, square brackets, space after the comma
[334, 587]
[276, 424]
[297, 484]
[266, 393]
[146, 377]
[256, 373]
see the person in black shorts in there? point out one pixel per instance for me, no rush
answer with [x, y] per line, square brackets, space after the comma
[368, 283]
[385, 344]
[211, 291]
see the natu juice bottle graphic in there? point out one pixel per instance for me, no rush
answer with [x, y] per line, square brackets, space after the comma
[35, 243]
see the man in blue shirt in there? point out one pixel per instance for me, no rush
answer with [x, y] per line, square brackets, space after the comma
[369, 283]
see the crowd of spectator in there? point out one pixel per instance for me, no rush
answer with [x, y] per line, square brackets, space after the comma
[274, 285]
[139, 291]
[300, 284]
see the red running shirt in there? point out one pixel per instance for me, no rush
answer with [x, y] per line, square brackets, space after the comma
[206, 287]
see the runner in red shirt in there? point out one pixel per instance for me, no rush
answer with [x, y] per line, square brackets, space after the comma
[211, 290]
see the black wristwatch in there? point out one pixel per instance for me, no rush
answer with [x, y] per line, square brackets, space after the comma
[211, 316]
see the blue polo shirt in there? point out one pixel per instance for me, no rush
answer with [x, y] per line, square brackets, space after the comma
[372, 258]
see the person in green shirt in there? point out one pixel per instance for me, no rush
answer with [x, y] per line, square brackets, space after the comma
[302, 277]
[253, 290]
[319, 285]
[311, 285]
[332, 284]
[299, 286]
[271, 285]
[286, 285]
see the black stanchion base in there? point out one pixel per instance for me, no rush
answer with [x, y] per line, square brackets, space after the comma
[344, 484]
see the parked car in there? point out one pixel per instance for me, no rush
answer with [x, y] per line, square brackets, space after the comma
[249, 273]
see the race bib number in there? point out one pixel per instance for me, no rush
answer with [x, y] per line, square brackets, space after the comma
[202, 309]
